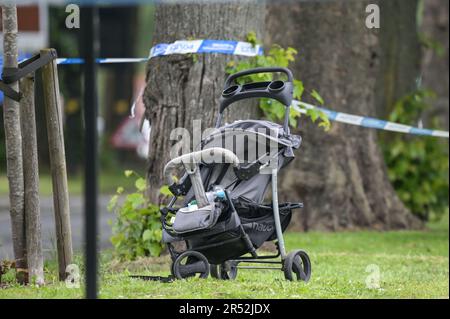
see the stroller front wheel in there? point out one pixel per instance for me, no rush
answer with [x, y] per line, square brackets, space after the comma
[190, 264]
[297, 266]
[225, 271]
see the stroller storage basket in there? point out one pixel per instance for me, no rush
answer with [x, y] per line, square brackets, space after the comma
[221, 247]
[258, 220]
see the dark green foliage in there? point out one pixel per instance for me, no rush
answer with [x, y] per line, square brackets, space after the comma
[137, 228]
[418, 166]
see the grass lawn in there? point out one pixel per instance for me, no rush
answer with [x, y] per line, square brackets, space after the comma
[412, 264]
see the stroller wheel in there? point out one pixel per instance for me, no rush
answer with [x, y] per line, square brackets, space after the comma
[225, 271]
[189, 264]
[297, 266]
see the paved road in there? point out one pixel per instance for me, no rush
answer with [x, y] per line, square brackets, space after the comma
[48, 226]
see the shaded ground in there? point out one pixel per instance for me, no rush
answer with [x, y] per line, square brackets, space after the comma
[411, 264]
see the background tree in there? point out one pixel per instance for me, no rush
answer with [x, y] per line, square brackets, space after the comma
[434, 34]
[417, 166]
[182, 88]
[13, 140]
[341, 175]
[399, 53]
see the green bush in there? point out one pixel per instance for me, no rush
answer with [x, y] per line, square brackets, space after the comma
[278, 57]
[137, 227]
[418, 166]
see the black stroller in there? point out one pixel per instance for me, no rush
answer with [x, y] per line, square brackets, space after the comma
[223, 219]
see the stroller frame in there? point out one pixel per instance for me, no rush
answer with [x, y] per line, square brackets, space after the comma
[295, 263]
[280, 246]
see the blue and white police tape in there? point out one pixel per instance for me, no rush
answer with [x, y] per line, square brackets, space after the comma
[101, 60]
[248, 49]
[183, 47]
[369, 122]
[206, 46]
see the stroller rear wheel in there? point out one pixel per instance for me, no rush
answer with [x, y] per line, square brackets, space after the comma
[297, 266]
[225, 271]
[190, 264]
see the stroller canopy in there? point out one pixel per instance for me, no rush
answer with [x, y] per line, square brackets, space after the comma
[251, 141]
[264, 132]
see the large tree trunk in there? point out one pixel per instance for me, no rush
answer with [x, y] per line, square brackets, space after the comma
[13, 139]
[183, 88]
[399, 53]
[435, 68]
[340, 175]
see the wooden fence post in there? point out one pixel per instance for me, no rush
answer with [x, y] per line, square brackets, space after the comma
[31, 181]
[53, 114]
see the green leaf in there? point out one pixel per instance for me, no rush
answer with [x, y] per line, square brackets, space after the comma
[231, 64]
[155, 249]
[147, 235]
[252, 38]
[140, 184]
[325, 121]
[140, 251]
[298, 89]
[136, 200]
[317, 97]
[117, 239]
[326, 125]
[313, 114]
[292, 121]
[145, 212]
[128, 173]
[164, 190]
[112, 202]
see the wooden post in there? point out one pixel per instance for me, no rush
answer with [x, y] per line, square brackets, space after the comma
[13, 139]
[31, 180]
[58, 164]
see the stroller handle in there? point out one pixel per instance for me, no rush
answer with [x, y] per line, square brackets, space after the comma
[234, 76]
[191, 160]
[278, 90]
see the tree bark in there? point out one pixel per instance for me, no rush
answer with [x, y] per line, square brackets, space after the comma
[400, 53]
[53, 115]
[183, 88]
[435, 68]
[13, 139]
[340, 175]
[31, 180]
